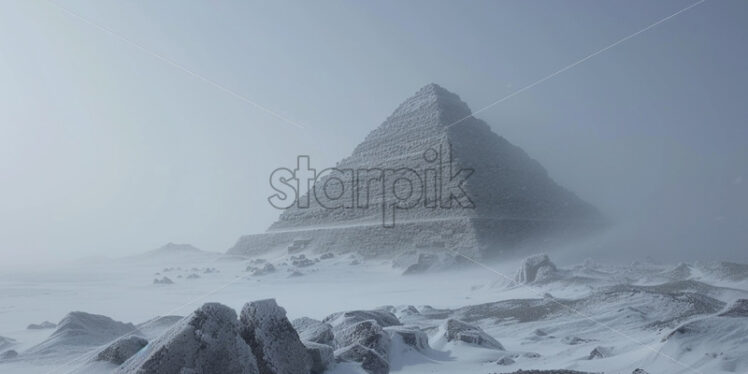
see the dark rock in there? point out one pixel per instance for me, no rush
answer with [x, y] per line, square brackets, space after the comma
[80, 330]
[273, 340]
[366, 333]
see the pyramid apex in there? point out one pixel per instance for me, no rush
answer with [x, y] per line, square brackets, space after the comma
[435, 97]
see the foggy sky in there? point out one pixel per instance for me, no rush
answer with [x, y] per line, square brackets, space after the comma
[105, 149]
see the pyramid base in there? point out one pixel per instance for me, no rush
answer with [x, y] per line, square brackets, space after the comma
[477, 238]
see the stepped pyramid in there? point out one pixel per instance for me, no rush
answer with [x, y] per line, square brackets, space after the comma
[469, 190]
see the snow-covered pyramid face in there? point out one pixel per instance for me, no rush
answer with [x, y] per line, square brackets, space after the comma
[450, 164]
[431, 169]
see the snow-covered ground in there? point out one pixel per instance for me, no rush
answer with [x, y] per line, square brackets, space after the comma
[586, 317]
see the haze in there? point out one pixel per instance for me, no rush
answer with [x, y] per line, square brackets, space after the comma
[108, 149]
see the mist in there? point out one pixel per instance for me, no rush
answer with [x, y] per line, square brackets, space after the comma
[109, 148]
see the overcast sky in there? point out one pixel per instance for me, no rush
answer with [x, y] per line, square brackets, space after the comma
[107, 148]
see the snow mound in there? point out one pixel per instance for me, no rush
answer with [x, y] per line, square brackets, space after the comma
[6, 342]
[712, 344]
[371, 361]
[157, 326]
[272, 338]
[206, 341]
[80, 331]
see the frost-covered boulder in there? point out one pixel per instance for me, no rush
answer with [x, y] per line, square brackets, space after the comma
[536, 268]
[370, 360]
[312, 330]
[639, 371]
[366, 333]
[406, 311]
[457, 331]
[273, 340]
[80, 330]
[41, 326]
[342, 320]
[121, 350]
[206, 341]
[322, 356]
[409, 336]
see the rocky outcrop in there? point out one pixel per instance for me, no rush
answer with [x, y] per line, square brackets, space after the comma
[121, 350]
[537, 268]
[322, 356]
[311, 330]
[457, 331]
[206, 341]
[272, 338]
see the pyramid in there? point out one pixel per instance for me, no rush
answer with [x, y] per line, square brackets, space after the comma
[430, 178]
